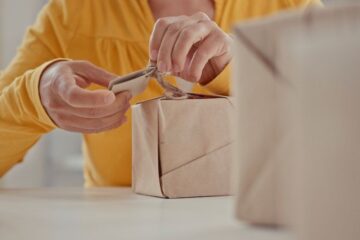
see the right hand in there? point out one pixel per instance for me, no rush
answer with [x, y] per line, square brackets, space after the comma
[72, 107]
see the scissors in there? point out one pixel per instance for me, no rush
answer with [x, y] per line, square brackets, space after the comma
[137, 82]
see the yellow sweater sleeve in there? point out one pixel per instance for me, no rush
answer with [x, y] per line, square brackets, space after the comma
[23, 120]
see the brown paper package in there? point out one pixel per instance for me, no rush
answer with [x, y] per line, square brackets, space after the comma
[183, 148]
[269, 116]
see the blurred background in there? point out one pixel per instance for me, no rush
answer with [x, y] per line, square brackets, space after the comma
[56, 160]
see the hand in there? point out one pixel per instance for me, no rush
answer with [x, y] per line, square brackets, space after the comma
[193, 48]
[72, 107]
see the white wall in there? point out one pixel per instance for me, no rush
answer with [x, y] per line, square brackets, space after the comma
[56, 159]
[15, 16]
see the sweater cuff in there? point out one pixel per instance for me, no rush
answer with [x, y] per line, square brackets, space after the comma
[34, 93]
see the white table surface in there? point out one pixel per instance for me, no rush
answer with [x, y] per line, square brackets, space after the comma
[117, 213]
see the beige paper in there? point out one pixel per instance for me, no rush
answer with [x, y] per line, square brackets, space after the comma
[182, 148]
[267, 99]
[325, 186]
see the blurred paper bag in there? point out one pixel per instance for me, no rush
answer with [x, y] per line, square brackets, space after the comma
[325, 185]
[267, 99]
[182, 148]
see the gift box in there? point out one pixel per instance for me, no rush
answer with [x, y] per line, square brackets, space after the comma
[183, 147]
[270, 108]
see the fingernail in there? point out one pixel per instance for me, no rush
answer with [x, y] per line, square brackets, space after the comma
[162, 67]
[154, 55]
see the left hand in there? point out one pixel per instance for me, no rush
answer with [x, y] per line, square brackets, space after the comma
[193, 48]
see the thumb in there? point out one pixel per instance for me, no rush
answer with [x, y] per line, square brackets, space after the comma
[92, 73]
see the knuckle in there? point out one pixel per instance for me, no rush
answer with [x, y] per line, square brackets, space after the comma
[186, 34]
[202, 16]
[224, 41]
[174, 28]
[221, 37]
[84, 62]
[203, 53]
[203, 27]
[211, 24]
[183, 17]
[161, 23]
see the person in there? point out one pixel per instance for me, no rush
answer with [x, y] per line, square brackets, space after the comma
[59, 75]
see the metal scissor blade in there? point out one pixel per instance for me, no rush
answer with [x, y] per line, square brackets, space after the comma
[171, 91]
[136, 82]
[147, 72]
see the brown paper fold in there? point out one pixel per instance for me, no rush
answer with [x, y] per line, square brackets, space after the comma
[268, 103]
[182, 148]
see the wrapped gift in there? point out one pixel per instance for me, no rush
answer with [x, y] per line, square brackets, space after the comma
[182, 147]
[182, 142]
[270, 111]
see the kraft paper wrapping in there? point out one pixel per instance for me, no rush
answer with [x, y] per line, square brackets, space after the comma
[183, 148]
[269, 118]
[325, 179]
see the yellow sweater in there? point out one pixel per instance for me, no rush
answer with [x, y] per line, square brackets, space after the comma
[114, 35]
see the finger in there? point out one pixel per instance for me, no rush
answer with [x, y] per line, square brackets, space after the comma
[187, 39]
[167, 43]
[158, 33]
[86, 125]
[92, 73]
[213, 46]
[201, 16]
[90, 131]
[66, 88]
[81, 82]
[121, 104]
[189, 57]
